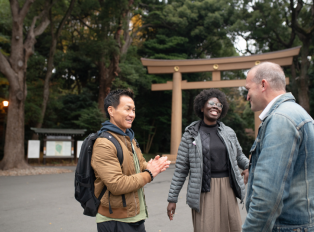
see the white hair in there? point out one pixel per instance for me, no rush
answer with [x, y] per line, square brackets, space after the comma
[271, 72]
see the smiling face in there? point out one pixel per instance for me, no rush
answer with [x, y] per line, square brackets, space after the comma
[124, 114]
[255, 91]
[211, 112]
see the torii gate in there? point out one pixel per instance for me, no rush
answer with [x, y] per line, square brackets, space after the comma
[216, 65]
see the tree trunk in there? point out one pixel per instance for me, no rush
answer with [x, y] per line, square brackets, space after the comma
[14, 137]
[104, 88]
[303, 80]
[14, 68]
[293, 82]
[107, 75]
[47, 81]
[305, 34]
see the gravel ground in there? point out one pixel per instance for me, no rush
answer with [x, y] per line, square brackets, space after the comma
[33, 171]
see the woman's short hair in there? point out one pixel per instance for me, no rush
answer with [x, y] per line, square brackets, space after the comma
[202, 98]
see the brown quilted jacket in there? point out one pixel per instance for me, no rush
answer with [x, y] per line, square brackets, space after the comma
[118, 179]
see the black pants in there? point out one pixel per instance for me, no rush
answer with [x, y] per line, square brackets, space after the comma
[114, 226]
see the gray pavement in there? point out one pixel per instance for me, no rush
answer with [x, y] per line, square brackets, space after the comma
[46, 203]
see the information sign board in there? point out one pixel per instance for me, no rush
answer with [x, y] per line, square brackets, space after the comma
[33, 149]
[58, 148]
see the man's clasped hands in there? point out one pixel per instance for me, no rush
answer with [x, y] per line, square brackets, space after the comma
[158, 165]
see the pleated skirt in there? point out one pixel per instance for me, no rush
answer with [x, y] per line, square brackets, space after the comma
[219, 210]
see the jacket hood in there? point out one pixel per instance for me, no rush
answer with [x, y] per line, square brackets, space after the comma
[108, 126]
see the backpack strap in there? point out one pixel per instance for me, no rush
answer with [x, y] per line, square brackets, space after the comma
[102, 192]
[115, 142]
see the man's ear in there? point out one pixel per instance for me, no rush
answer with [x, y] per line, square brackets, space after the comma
[265, 85]
[202, 110]
[111, 110]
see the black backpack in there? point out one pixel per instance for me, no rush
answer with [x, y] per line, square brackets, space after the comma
[85, 176]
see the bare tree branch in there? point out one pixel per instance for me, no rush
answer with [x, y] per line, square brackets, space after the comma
[82, 21]
[294, 21]
[41, 27]
[6, 69]
[25, 9]
[65, 18]
[44, 19]
[33, 32]
[289, 44]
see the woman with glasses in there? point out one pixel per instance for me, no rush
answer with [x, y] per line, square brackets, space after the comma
[212, 156]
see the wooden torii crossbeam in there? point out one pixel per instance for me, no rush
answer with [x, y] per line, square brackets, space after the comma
[177, 67]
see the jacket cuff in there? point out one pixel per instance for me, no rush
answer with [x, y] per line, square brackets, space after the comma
[146, 177]
[172, 200]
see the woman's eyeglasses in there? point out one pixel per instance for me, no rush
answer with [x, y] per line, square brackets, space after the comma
[211, 103]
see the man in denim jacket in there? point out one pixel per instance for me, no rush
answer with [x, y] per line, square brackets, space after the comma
[280, 194]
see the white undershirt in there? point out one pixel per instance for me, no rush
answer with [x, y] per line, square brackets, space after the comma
[265, 111]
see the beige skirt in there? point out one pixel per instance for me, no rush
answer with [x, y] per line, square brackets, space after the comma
[219, 210]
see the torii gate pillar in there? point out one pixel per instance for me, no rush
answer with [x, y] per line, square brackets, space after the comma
[176, 113]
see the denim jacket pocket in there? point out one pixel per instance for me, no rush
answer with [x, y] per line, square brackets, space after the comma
[296, 228]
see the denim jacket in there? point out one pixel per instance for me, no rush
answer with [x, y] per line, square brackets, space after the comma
[280, 192]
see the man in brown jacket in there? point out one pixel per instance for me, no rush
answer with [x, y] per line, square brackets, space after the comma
[123, 206]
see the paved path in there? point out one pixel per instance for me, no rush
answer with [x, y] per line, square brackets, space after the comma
[46, 203]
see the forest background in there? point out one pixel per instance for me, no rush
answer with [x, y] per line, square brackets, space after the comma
[60, 58]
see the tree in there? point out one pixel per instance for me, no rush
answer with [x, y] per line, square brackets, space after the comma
[272, 25]
[106, 34]
[55, 33]
[14, 68]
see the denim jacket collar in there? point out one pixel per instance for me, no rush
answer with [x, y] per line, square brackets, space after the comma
[283, 98]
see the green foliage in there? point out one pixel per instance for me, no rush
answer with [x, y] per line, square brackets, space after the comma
[5, 27]
[194, 28]
[272, 25]
[153, 109]
[33, 102]
[72, 105]
[5, 16]
[165, 46]
[238, 124]
[133, 74]
[267, 23]
[248, 116]
[90, 118]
